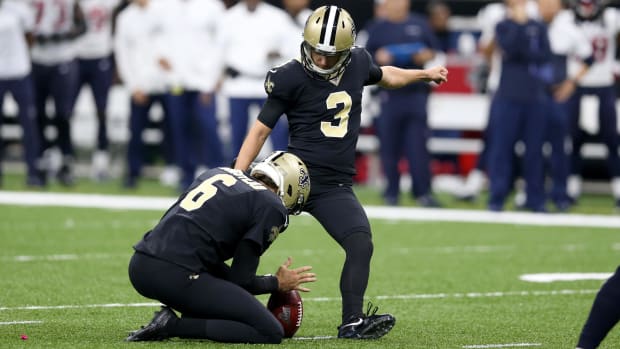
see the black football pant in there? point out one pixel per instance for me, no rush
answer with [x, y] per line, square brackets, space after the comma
[605, 313]
[211, 308]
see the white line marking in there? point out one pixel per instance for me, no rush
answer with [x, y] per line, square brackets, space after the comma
[125, 202]
[553, 277]
[509, 345]
[313, 338]
[336, 299]
[20, 322]
[62, 257]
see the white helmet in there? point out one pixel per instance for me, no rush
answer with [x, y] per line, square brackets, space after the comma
[290, 175]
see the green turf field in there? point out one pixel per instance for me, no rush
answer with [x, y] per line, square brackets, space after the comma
[450, 285]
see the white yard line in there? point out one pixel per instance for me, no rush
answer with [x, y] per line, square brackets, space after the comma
[508, 345]
[26, 322]
[124, 202]
[336, 299]
[314, 338]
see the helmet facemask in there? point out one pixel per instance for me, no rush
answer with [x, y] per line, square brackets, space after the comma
[329, 31]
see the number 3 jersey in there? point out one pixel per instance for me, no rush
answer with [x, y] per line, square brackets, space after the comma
[220, 209]
[323, 116]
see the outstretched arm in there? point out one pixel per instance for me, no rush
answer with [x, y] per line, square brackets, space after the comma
[394, 77]
[252, 145]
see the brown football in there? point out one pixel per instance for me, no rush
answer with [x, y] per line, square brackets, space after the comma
[288, 308]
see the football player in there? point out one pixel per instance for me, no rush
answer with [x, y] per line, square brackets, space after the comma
[94, 52]
[224, 214]
[600, 25]
[321, 95]
[16, 21]
[604, 315]
[54, 68]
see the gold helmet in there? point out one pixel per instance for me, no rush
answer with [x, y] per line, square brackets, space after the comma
[329, 31]
[290, 175]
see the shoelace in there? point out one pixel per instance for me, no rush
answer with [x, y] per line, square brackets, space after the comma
[371, 309]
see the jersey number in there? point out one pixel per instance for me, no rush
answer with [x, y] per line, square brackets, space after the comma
[206, 190]
[342, 117]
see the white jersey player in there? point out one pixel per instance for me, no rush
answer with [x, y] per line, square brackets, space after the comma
[600, 25]
[94, 53]
[16, 21]
[57, 24]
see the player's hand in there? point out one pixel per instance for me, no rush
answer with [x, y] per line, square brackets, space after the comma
[292, 279]
[563, 91]
[423, 56]
[383, 57]
[139, 97]
[438, 74]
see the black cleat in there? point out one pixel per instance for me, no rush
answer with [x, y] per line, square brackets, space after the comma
[65, 176]
[157, 329]
[369, 326]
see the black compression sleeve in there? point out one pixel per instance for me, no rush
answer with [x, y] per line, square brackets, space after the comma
[271, 111]
[243, 270]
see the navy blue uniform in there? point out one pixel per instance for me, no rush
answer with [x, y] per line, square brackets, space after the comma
[518, 112]
[324, 123]
[403, 122]
[181, 262]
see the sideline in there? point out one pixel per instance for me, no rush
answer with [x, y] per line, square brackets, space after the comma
[124, 202]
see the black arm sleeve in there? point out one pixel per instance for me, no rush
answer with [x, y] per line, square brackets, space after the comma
[271, 111]
[243, 270]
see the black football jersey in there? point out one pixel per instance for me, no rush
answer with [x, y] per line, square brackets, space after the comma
[323, 116]
[219, 210]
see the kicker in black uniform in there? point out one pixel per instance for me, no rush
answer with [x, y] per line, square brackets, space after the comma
[321, 96]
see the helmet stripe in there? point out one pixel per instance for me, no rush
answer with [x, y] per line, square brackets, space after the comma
[324, 24]
[332, 39]
[330, 22]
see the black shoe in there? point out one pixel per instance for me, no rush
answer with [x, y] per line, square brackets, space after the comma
[428, 201]
[65, 176]
[369, 326]
[157, 329]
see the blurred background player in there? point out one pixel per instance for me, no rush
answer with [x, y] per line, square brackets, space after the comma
[16, 24]
[54, 68]
[567, 42]
[138, 49]
[224, 214]
[519, 107]
[96, 69]
[404, 40]
[253, 38]
[487, 20]
[604, 315]
[298, 12]
[193, 65]
[321, 96]
[600, 25]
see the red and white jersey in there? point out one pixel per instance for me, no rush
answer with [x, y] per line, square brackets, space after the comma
[16, 19]
[601, 33]
[53, 17]
[97, 42]
[566, 39]
[190, 30]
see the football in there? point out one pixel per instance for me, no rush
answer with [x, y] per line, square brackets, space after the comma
[288, 308]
